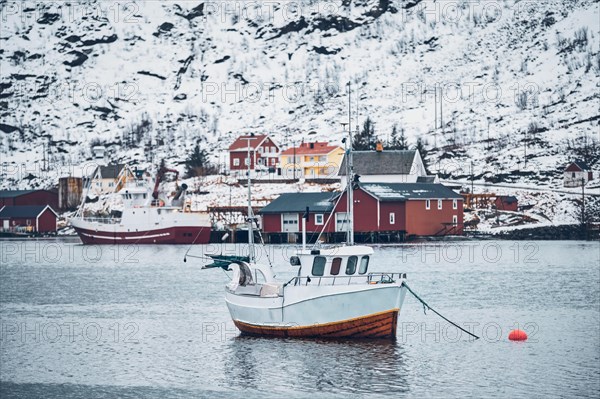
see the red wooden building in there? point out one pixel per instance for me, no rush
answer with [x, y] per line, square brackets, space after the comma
[414, 209]
[284, 215]
[264, 153]
[29, 197]
[28, 219]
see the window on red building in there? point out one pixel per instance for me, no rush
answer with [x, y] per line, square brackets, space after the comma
[319, 220]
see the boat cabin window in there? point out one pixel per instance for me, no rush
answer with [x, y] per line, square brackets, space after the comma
[351, 265]
[364, 265]
[318, 268]
[245, 275]
[335, 266]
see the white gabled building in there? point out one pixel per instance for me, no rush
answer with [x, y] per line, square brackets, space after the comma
[578, 173]
[382, 166]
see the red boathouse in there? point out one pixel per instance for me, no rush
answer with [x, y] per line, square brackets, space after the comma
[28, 219]
[413, 209]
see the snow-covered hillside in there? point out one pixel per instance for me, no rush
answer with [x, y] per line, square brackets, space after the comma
[519, 80]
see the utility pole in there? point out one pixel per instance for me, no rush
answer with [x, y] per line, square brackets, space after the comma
[436, 107]
[583, 218]
[472, 179]
[350, 110]
[488, 121]
[442, 108]
[525, 151]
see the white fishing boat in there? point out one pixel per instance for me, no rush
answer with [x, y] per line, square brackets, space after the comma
[146, 218]
[333, 295]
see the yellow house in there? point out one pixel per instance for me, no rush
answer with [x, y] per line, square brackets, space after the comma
[318, 160]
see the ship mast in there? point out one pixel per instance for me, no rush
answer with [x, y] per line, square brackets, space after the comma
[350, 176]
[250, 214]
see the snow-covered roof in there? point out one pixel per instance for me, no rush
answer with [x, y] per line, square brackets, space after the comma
[409, 191]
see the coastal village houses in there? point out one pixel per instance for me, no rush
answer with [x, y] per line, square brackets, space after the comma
[264, 154]
[311, 160]
[408, 209]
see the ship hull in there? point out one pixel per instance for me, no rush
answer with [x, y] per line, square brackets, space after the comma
[340, 311]
[378, 325]
[169, 235]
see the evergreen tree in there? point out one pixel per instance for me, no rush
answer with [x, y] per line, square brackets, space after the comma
[397, 142]
[197, 163]
[365, 140]
[423, 151]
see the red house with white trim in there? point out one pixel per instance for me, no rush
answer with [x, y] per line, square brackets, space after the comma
[264, 153]
[28, 219]
[414, 209]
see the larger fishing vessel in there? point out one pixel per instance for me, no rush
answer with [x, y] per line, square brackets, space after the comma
[146, 218]
[333, 295]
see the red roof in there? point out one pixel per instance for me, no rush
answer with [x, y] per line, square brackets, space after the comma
[241, 143]
[317, 148]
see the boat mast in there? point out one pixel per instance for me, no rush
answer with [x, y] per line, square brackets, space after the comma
[350, 175]
[250, 215]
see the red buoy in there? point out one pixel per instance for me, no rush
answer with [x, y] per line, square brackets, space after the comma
[517, 335]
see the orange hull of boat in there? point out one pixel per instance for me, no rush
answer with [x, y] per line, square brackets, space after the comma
[378, 325]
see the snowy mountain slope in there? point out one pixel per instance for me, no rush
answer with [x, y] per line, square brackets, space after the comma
[150, 78]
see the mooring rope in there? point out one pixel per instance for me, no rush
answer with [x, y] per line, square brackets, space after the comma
[426, 306]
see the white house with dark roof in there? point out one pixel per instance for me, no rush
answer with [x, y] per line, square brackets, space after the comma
[387, 167]
[578, 173]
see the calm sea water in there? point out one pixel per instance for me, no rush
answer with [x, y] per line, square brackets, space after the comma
[139, 322]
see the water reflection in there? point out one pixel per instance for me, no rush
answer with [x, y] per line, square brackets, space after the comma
[374, 366]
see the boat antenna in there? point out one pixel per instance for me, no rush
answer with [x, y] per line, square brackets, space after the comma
[350, 175]
[339, 197]
[250, 213]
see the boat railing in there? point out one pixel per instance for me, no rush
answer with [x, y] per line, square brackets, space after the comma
[371, 278]
[103, 220]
